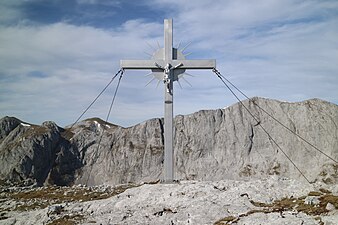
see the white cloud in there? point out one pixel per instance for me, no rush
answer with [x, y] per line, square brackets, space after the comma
[72, 46]
[77, 61]
[279, 46]
[9, 11]
[277, 49]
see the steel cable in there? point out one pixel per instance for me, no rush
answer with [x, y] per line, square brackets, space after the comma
[300, 137]
[104, 127]
[258, 122]
[91, 104]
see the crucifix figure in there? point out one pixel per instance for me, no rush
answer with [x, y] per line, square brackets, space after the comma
[168, 64]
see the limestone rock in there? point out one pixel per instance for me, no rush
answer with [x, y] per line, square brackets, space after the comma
[209, 145]
[28, 151]
[7, 124]
[219, 144]
[272, 200]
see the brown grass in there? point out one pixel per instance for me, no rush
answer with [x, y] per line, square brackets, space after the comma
[226, 220]
[35, 130]
[42, 197]
[45, 196]
[67, 220]
[289, 204]
[67, 134]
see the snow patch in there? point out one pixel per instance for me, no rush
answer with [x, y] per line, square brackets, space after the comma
[25, 124]
[97, 124]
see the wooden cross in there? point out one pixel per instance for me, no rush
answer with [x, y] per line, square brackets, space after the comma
[168, 64]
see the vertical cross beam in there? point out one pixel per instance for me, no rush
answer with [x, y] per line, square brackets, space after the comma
[168, 105]
[165, 61]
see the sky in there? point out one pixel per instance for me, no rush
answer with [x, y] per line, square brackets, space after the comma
[57, 55]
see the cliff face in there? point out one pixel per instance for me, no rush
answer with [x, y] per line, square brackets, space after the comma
[229, 143]
[209, 145]
[27, 151]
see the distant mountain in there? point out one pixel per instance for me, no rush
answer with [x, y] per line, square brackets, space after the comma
[209, 145]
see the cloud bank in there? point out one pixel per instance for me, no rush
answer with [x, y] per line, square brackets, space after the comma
[52, 67]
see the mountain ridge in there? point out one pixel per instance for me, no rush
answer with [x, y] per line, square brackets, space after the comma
[226, 143]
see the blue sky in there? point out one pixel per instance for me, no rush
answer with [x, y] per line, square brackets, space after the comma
[57, 55]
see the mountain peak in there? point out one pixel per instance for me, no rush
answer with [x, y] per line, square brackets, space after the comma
[208, 145]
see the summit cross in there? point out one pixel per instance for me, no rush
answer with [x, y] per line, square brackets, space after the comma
[168, 64]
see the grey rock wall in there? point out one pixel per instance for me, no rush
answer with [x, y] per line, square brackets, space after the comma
[27, 151]
[209, 145]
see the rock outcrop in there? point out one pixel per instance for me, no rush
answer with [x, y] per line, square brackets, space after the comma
[209, 145]
[31, 154]
[273, 200]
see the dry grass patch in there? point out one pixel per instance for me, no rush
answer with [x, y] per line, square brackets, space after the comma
[23, 199]
[291, 204]
[67, 220]
[39, 198]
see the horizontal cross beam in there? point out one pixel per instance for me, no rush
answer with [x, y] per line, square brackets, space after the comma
[138, 64]
[172, 63]
[151, 64]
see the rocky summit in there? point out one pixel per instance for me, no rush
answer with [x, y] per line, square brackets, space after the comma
[257, 162]
[268, 201]
[209, 145]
